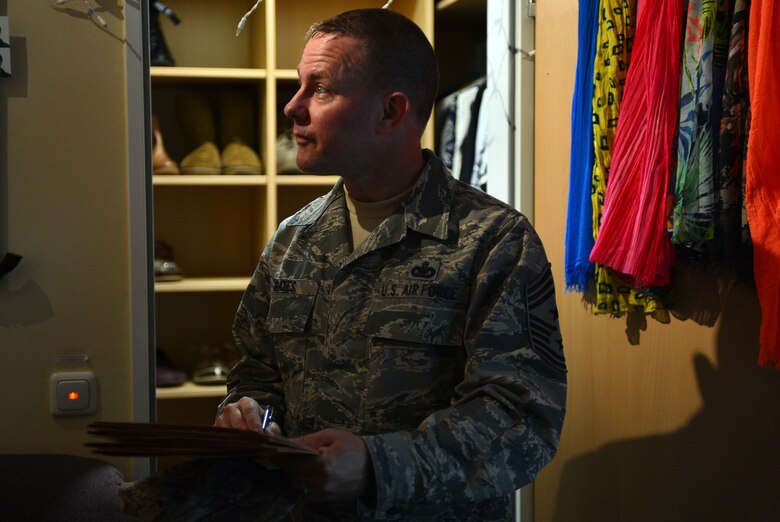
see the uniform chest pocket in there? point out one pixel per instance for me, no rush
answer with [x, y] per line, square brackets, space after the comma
[416, 320]
[416, 360]
[289, 324]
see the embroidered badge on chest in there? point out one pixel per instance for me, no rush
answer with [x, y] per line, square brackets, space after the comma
[425, 270]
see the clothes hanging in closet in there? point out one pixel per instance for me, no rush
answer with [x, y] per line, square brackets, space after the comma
[613, 53]
[479, 171]
[459, 115]
[578, 270]
[632, 238]
[763, 169]
[731, 244]
[694, 189]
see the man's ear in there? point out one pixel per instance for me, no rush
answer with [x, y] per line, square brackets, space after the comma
[395, 109]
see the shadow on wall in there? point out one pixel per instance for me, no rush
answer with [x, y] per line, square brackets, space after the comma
[24, 306]
[724, 465]
[698, 293]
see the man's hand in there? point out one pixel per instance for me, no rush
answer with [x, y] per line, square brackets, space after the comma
[246, 414]
[342, 472]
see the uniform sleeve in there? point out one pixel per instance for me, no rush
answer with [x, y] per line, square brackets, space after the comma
[256, 375]
[505, 419]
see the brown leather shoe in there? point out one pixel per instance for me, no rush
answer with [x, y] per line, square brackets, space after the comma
[165, 268]
[161, 161]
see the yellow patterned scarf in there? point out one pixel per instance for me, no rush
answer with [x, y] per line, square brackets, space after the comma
[613, 50]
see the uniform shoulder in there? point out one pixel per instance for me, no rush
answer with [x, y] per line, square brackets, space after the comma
[471, 201]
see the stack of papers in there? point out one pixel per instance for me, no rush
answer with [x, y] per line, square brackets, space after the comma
[137, 439]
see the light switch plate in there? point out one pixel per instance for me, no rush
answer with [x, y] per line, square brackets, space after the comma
[73, 394]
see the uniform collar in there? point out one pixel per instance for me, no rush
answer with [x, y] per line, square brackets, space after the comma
[426, 211]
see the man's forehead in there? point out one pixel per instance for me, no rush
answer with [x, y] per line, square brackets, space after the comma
[329, 55]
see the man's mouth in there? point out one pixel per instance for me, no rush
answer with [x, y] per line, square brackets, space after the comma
[302, 139]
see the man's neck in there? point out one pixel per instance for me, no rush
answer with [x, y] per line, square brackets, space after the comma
[385, 178]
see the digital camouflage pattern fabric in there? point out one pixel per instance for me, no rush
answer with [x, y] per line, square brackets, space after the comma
[436, 339]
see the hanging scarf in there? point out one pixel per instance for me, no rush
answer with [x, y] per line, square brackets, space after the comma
[694, 189]
[613, 52]
[632, 239]
[763, 169]
[579, 238]
[732, 144]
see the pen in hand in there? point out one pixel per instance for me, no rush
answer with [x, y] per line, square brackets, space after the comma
[267, 414]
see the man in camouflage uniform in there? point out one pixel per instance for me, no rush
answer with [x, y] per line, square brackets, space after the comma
[425, 362]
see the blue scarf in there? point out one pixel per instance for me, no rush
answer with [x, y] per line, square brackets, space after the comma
[579, 223]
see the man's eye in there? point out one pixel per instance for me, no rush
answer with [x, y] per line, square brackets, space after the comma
[319, 90]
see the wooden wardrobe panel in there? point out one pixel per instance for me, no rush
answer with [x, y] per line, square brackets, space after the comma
[667, 419]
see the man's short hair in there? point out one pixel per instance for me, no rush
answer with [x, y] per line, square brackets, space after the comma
[398, 54]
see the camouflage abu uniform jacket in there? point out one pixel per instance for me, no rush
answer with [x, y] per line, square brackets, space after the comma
[436, 339]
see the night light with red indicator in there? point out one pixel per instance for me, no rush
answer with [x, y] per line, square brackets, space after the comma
[72, 393]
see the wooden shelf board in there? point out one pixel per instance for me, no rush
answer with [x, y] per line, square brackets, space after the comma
[190, 390]
[198, 180]
[207, 73]
[286, 74]
[305, 179]
[203, 284]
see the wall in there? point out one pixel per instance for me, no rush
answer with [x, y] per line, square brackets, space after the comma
[667, 419]
[64, 206]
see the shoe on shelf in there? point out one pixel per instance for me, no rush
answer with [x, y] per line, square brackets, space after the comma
[158, 50]
[165, 268]
[197, 118]
[212, 368]
[161, 161]
[167, 373]
[204, 160]
[199, 126]
[238, 158]
[237, 129]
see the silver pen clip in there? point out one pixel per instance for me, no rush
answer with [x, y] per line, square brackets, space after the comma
[267, 414]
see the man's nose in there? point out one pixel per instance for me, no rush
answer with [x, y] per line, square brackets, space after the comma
[295, 108]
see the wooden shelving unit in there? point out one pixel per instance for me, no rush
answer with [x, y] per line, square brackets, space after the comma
[194, 181]
[217, 226]
[189, 390]
[203, 284]
[207, 73]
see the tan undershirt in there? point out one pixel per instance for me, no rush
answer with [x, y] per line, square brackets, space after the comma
[365, 217]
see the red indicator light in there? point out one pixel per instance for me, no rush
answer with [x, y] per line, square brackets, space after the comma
[73, 396]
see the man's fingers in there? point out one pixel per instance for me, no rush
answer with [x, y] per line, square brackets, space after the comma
[273, 429]
[233, 417]
[251, 413]
[246, 414]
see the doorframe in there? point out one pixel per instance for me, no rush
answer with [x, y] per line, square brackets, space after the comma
[139, 167]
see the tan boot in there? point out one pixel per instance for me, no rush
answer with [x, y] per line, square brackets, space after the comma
[161, 161]
[237, 124]
[199, 127]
